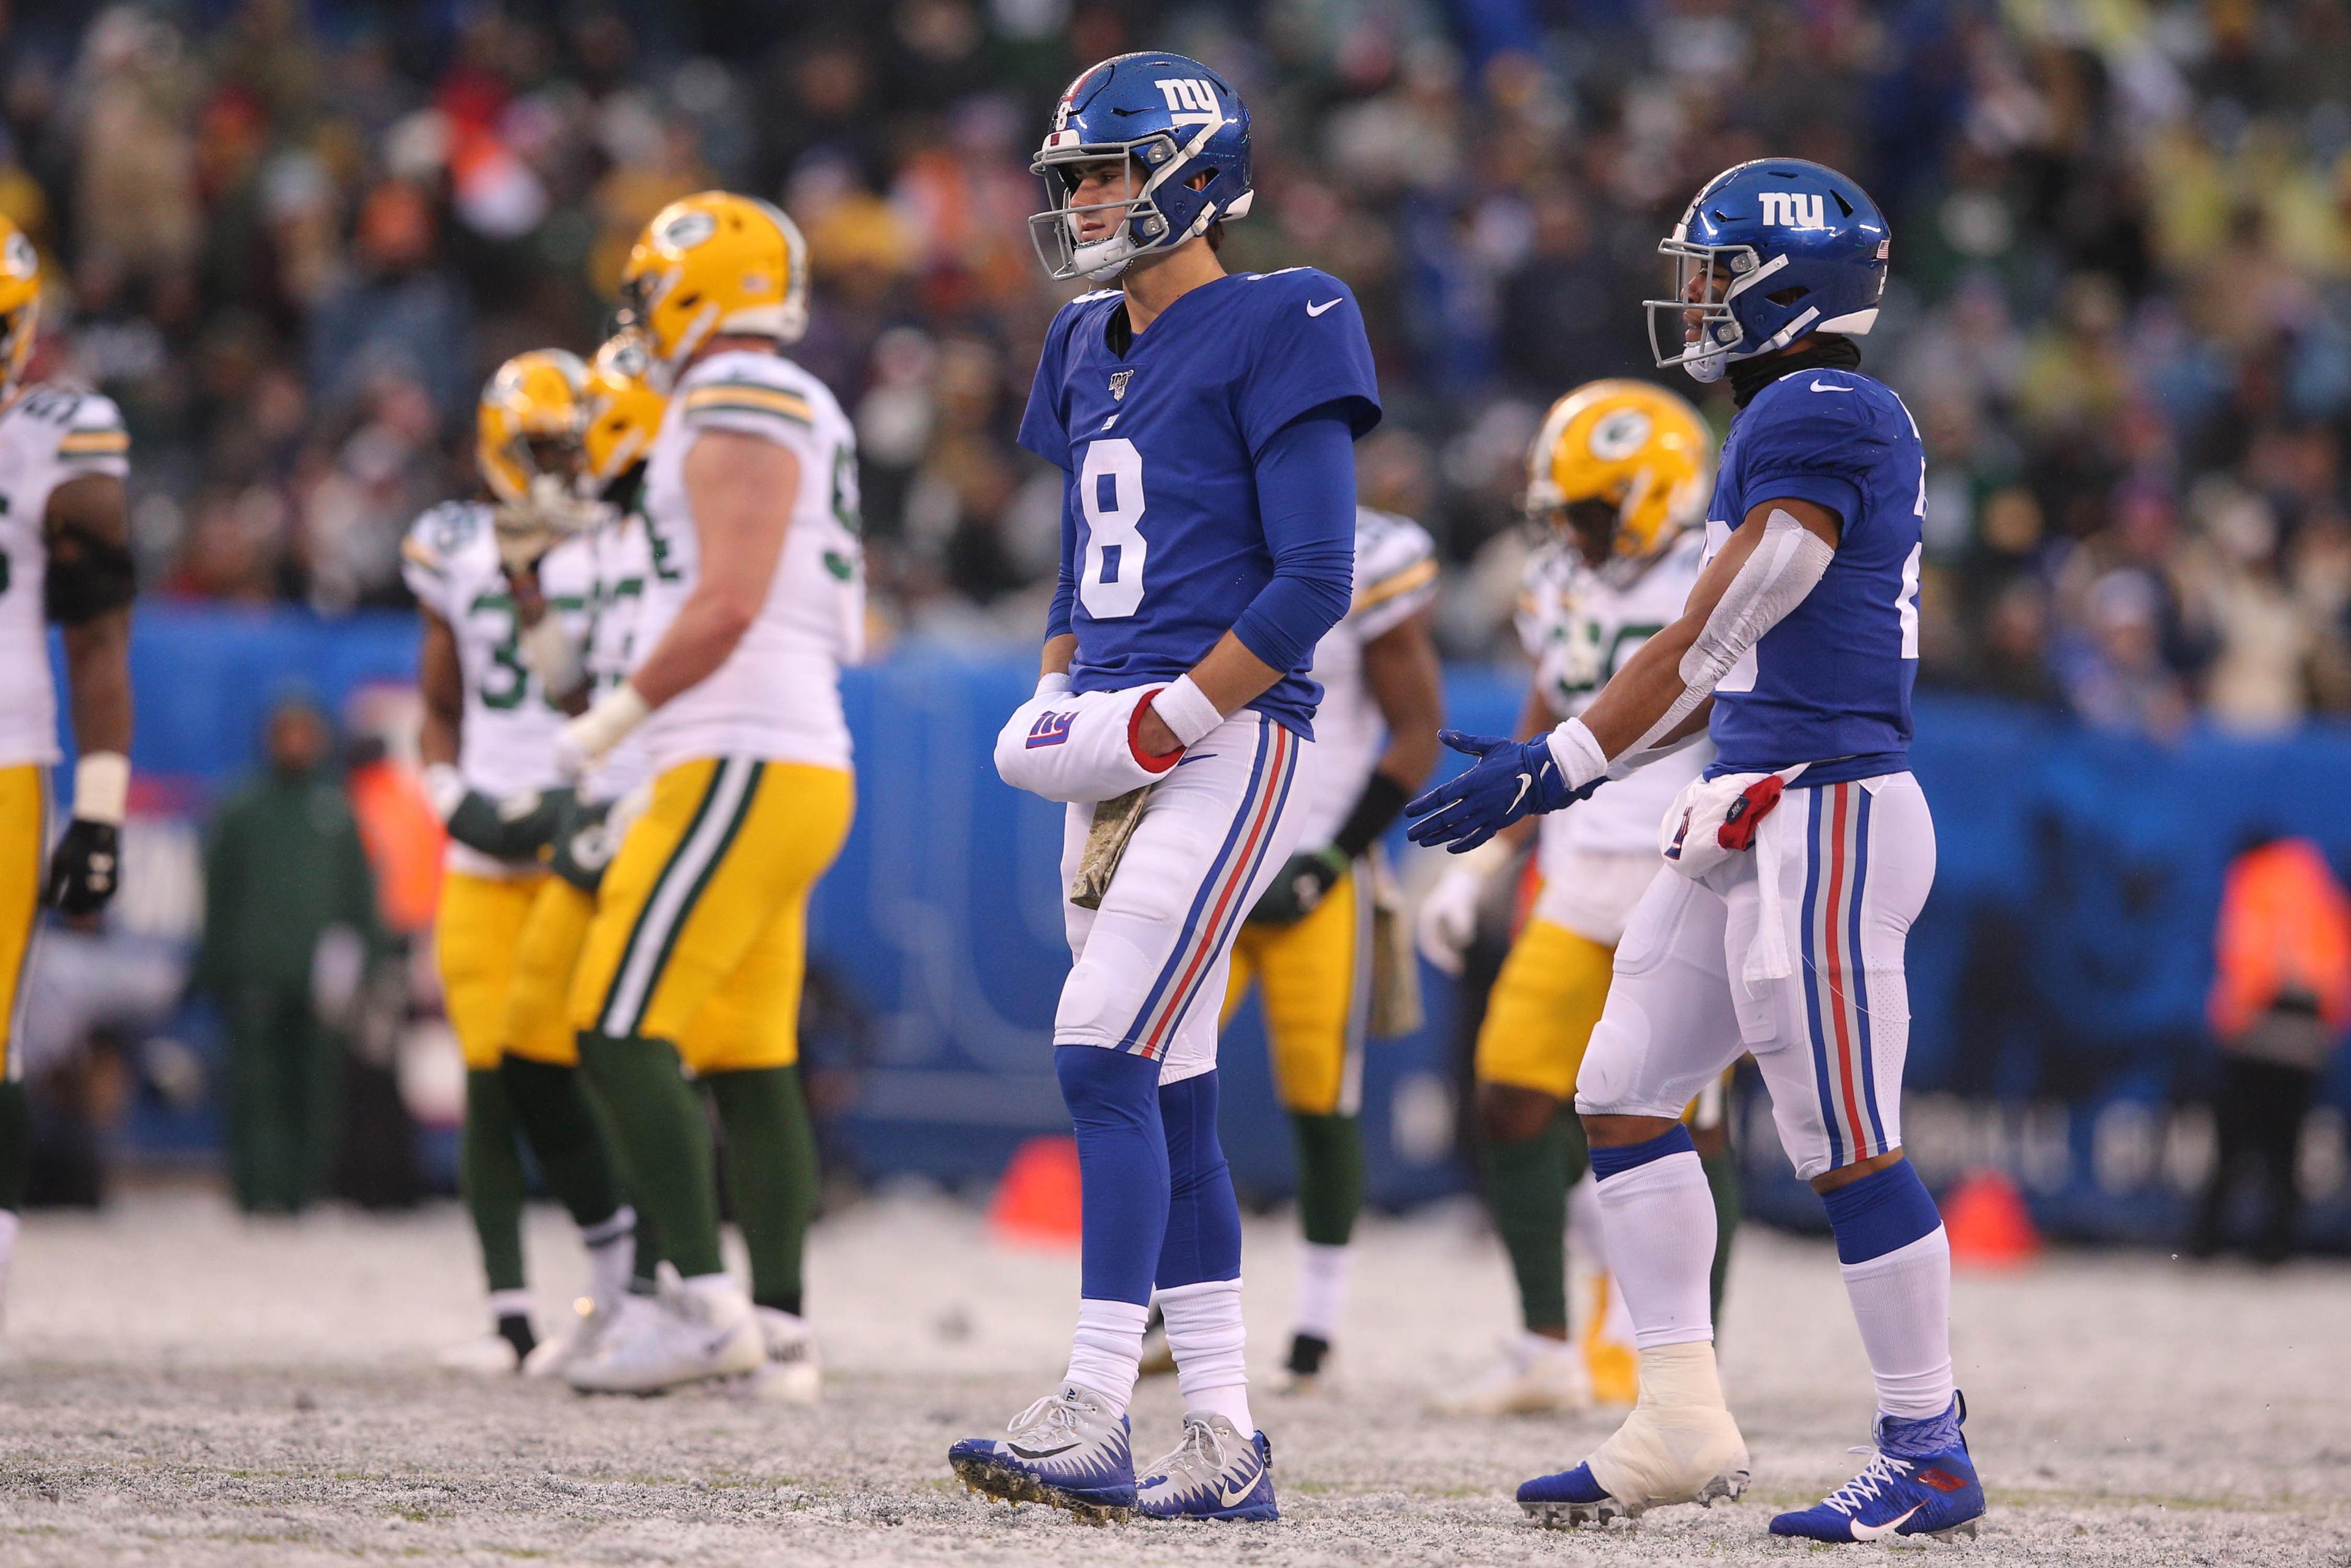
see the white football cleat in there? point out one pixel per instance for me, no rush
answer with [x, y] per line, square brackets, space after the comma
[791, 1372]
[487, 1355]
[700, 1330]
[553, 1356]
[1535, 1377]
[1678, 1445]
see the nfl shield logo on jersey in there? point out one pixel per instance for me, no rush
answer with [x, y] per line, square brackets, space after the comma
[1118, 381]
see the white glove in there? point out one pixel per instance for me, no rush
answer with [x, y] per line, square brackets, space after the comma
[1079, 747]
[1448, 913]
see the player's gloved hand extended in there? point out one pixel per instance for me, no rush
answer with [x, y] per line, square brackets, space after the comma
[88, 864]
[583, 843]
[86, 867]
[1510, 778]
[517, 828]
[1300, 887]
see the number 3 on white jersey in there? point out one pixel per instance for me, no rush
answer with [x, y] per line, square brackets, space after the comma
[1109, 490]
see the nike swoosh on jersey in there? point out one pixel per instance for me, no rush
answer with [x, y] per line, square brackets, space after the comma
[1048, 1453]
[1318, 309]
[1880, 1532]
[1526, 782]
[1817, 387]
[1195, 756]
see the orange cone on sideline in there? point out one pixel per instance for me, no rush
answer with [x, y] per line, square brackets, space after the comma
[1037, 1200]
[1988, 1223]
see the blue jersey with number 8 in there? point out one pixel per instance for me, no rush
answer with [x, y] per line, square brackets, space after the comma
[1161, 543]
[1830, 684]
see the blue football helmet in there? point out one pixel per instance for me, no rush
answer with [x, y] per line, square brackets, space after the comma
[1769, 251]
[1170, 119]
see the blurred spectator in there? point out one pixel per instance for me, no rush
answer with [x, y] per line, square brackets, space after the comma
[290, 929]
[2281, 1002]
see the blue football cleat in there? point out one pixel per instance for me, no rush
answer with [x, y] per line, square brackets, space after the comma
[1067, 1451]
[1920, 1481]
[1214, 1473]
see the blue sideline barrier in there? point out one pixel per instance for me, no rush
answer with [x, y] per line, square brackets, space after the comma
[2057, 975]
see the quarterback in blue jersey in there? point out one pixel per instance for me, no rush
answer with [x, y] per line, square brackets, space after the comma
[1792, 869]
[1205, 423]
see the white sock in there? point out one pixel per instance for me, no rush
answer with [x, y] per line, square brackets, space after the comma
[1107, 1349]
[1588, 1237]
[504, 1305]
[1659, 1218]
[1321, 1289]
[1211, 1349]
[612, 1253]
[1902, 1301]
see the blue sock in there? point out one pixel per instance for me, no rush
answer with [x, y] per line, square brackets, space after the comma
[1204, 1218]
[1607, 1162]
[1114, 1100]
[1882, 1211]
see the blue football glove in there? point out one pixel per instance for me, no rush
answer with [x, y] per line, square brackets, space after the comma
[1510, 778]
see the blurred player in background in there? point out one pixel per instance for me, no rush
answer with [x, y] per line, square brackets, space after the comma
[1616, 479]
[1794, 868]
[621, 414]
[1307, 944]
[1206, 423]
[698, 947]
[493, 579]
[65, 557]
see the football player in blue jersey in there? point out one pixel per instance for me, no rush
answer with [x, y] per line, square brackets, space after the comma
[1205, 422]
[1793, 867]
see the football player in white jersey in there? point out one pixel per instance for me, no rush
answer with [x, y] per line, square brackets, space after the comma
[698, 945]
[1307, 945]
[493, 579]
[65, 557]
[1617, 479]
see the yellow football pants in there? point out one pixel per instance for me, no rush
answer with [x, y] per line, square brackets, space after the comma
[546, 951]
[1316, 978]
[1541, 1014]
[700, 936]
[23, 836]
[477, 935]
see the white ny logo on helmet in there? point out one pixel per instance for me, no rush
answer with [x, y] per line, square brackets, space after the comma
[1188, 93]
[1793, 209]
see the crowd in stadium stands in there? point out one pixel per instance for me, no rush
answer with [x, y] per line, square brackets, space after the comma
[293, 240]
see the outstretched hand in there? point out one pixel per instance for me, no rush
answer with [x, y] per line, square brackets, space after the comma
[1510, 778]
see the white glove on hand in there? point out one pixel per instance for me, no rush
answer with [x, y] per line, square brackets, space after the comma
[1448, 919]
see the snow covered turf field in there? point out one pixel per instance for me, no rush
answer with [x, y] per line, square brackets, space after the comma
[183, 1388]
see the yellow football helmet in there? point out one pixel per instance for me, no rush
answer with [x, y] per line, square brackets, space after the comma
[713, 262]
[624, 412]
[1623, 467]
[530, 433]
[20, 303]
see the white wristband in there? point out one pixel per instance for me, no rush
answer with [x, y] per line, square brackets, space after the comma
[1577, 752]
[1185, 710]
[102, 788]
[601, 727]
[445, 787]
[1051, 684]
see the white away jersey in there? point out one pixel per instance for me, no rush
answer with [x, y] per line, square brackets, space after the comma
[48, 436]
[1578, 630]
[621, 563]
[777, 696]
[1395, 578]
